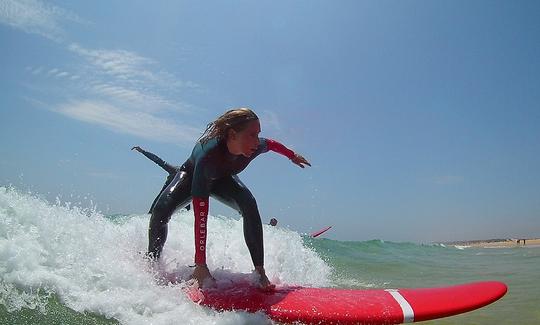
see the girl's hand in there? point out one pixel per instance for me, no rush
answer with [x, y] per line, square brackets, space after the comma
[264, 283]
[300, 161]
[203, 277]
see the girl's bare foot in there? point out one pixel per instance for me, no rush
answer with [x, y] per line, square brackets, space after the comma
[264, 283]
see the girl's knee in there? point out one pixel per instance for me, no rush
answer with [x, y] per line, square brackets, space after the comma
[161, 213]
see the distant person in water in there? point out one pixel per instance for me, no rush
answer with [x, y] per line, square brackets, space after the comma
[172, 170]
[273, 222]
[225, 149]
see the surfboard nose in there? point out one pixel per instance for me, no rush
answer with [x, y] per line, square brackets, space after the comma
[496, 288]
[431, 303]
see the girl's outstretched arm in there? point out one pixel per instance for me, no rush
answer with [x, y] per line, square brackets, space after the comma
[281, 149]
[160, 162]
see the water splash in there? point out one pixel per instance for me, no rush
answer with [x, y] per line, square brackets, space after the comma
[92, 263]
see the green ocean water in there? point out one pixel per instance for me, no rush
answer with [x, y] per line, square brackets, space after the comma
[63, 265]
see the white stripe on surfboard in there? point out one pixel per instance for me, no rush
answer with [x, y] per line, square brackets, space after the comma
[408, 312]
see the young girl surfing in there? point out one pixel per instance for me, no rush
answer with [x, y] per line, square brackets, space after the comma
[227, 146]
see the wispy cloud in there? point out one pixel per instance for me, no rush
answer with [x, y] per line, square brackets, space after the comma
[137, 100]
[36, 17]
[129, 77]
[62, 74]
[118, 63]
[129, 67]
[130, 93]
[34, 70]
[139, 124]
[117, 102]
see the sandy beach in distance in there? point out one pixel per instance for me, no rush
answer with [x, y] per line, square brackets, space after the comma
[497, 243]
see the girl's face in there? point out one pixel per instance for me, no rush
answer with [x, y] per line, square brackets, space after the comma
[244, 142]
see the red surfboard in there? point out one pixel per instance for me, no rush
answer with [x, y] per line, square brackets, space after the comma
[320, 232]
[344, 306]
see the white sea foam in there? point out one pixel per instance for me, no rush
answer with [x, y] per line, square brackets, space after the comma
[93, 264]
[355, 283]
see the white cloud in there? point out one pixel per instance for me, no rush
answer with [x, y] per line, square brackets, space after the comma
[33, 70]
[36, 17]
[118, 63]
[123, 98]
[134, 123]
[62, 74]
[114, 79]
[137, 100]
[129, 67]
[126, 76]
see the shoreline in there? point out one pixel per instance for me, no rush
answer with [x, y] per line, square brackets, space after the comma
[496, 243]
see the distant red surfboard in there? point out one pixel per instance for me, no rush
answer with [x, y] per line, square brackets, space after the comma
[318, 233]
[345, 306]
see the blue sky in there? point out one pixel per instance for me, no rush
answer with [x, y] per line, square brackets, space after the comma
[421, 118]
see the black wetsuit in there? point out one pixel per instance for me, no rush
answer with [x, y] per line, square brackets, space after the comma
[210, 171]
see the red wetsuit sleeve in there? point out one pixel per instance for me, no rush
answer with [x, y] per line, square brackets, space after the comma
[200, 209]
[279, 148]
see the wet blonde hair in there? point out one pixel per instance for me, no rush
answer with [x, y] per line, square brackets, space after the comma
[236, 119]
